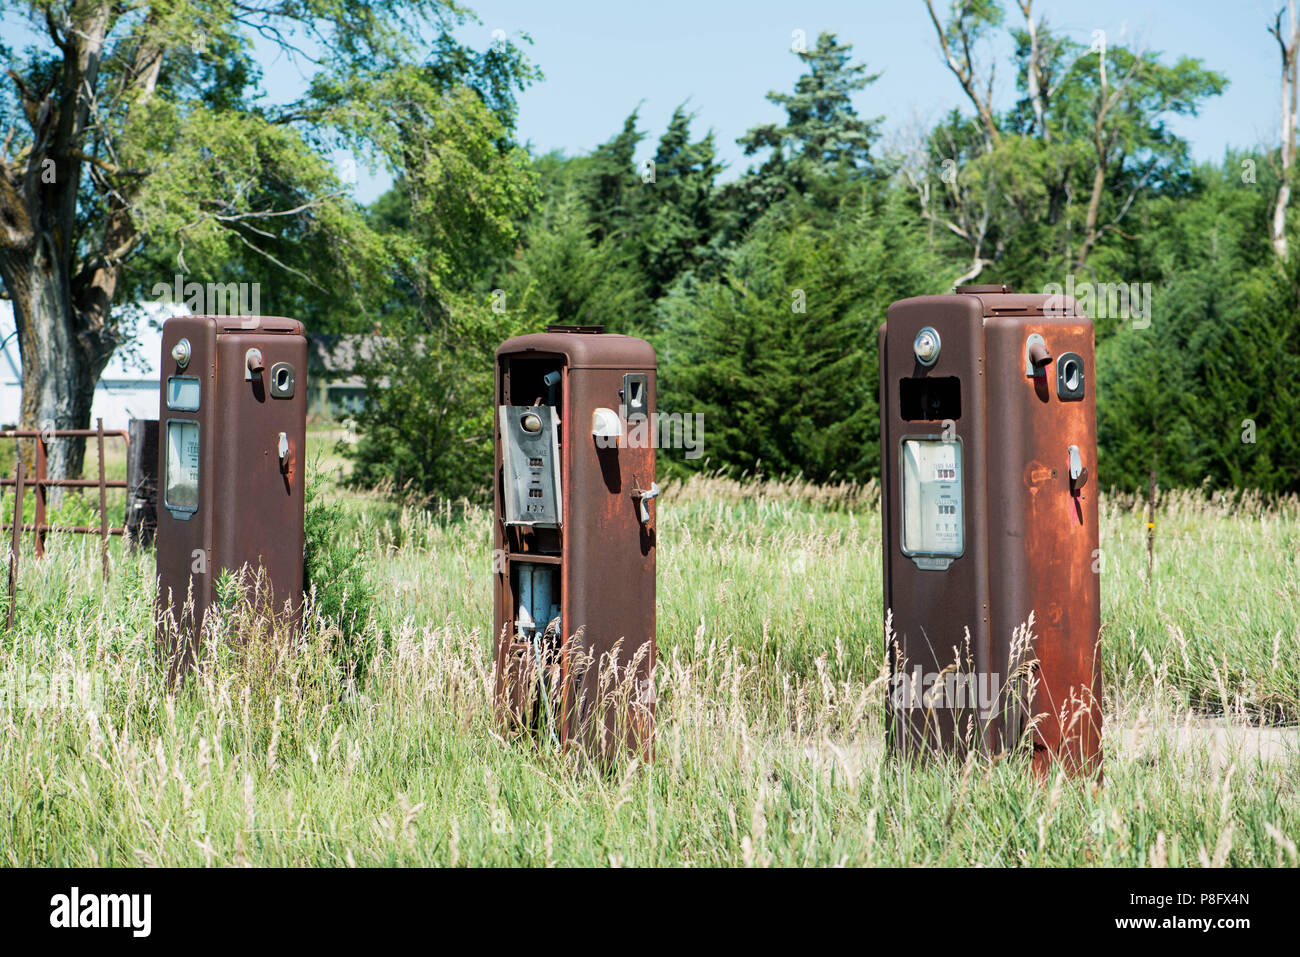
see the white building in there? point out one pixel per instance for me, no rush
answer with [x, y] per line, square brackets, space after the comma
[128, 387]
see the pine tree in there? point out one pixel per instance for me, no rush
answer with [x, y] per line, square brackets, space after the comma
[823, 142]
[676, 233]
[779, 353]
[611, 188]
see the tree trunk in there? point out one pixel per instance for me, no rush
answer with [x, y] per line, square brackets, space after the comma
[60, 366]
[61, 309]
[1278, 231]
[1090, 233]
[1033, 72]
[1287, 46]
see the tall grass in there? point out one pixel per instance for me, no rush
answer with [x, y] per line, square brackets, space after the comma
[771, 697]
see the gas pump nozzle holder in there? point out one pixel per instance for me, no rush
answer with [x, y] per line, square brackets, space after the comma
[990, 516]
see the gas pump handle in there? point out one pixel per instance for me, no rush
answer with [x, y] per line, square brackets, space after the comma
[645, 495]
[1078, 473]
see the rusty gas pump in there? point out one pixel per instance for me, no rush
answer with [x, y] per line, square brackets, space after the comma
[231, 468]
[991, 588]
[574, 532]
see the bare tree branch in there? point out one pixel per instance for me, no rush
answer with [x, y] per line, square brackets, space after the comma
[1288, 46]
[964, 71]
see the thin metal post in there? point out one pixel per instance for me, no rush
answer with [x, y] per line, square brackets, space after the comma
[103, 500]
[15, 538]
[1151, 528]
[41, 476]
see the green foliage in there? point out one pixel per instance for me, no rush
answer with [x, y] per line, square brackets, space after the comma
[675, 233]
[823, 138]
[463, 190]
[426, 426]
[1206, 393]
[187, 168]
[1083, 176]
[611, 185]
[600, 247]
[780, 354]
[335, 580]
[776, 347]
[1053, 185]
[610, 238]
[564, 274]
[716, 276]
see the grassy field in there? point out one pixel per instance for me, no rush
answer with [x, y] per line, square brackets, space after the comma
[770, 711]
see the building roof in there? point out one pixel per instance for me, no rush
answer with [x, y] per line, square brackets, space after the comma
[335, 357]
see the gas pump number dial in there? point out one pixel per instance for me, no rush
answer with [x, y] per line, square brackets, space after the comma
[932, 500]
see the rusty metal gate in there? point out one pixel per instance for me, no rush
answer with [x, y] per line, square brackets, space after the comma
[41, 481]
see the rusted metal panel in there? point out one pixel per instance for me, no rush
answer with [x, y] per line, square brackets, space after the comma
[598, 676]
[142, 482]
[250, 503]
[1030, 531]
[42, 464]
[103, 502]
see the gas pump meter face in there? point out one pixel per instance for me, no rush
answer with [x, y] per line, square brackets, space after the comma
[530, 455]
[182, 492]
[182, 484]
[932, 500]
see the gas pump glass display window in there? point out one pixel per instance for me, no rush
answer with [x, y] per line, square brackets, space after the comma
[932, 497]
[183, 393]
[182, 490]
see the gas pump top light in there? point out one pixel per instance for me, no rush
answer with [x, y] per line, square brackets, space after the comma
[181, 353]
[532, 422]
[926, 346]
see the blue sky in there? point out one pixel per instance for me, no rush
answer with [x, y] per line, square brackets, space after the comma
[602, 59]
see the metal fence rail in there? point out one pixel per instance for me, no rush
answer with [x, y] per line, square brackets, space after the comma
[41, 482]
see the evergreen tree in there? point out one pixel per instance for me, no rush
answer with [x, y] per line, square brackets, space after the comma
[1205, 394]
[562, 274]
[612, 190]
[822, 138]
[676, 232]
[779, 354]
